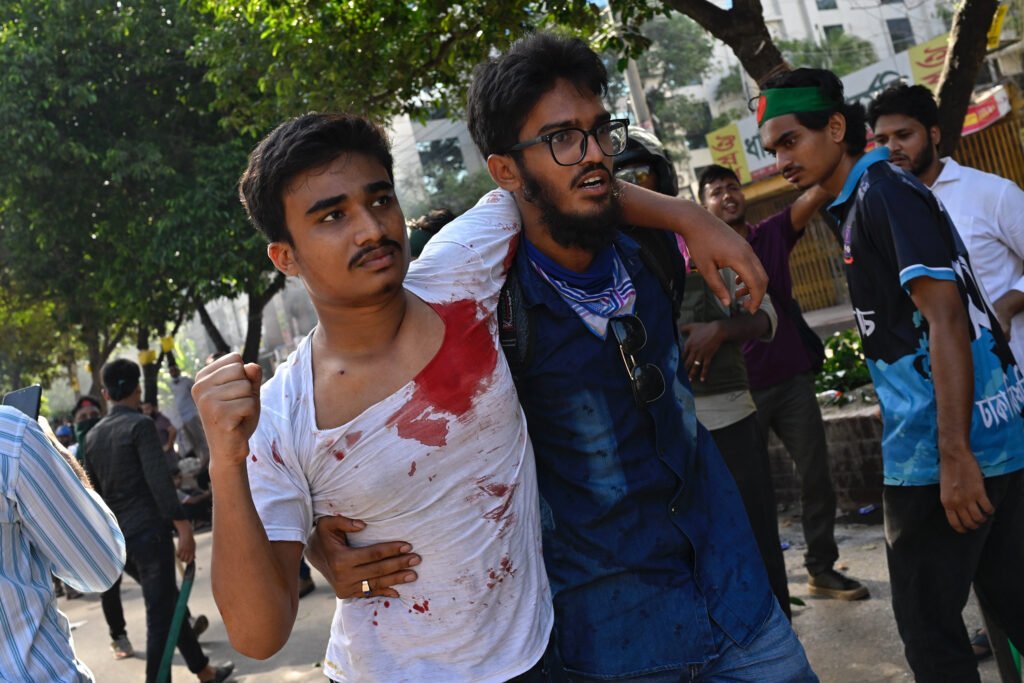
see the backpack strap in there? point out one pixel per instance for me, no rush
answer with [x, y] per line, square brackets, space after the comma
[514, 329]
[661, 256]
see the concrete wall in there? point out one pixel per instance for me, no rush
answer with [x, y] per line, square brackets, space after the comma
[854, 436]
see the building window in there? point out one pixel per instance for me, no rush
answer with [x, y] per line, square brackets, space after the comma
[832, 32]
[440, 159]
[901, 33]
[826, 4]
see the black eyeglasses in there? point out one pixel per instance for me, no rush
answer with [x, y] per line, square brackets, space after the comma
[569, 145]
[647, 381]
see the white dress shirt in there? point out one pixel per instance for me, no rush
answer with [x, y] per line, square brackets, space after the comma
[988, 212]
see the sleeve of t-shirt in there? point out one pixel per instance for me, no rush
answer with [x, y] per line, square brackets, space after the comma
[780, 227]
[1010, 218]
[469, 257]
[279, 488]
[908, 231]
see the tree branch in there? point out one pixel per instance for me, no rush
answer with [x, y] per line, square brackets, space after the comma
[968, 45]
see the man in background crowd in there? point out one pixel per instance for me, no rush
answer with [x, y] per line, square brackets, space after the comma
[125, 462]
[165, 430]
[987, 210]
[191, 425]
[781, 373]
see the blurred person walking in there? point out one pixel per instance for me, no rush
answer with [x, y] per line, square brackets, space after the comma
[124, 459]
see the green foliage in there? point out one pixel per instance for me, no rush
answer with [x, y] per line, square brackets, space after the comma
[679, 52]
[30, 341]
[730, 85]
[273, 60]
[845, 367]
[841, 52]
[117, 182]
[457, 191]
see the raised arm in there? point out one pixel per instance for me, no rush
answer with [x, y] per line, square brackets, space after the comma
[961, 485]
[255, 582]
[713, 244]
[806, 205]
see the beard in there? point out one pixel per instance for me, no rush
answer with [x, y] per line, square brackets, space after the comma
[922, 161]
[592, 232]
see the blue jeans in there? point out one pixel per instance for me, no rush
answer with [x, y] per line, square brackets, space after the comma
[774, 655]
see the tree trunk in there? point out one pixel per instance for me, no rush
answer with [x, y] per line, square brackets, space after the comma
[220, 346]
[98, 349]
[254, 327]
[742, 28]
[968, 39]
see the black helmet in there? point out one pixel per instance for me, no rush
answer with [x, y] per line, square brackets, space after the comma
[643, 146]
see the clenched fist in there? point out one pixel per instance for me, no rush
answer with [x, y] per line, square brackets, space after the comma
[227, 393]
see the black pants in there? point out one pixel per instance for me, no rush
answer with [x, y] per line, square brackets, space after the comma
[151, 563]
[791, 410]
[746, 456]
[931, 568]
[113, 612]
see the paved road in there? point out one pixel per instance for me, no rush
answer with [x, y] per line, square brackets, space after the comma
[846, 642]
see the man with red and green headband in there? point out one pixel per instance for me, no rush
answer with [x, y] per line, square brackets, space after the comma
[950, 391]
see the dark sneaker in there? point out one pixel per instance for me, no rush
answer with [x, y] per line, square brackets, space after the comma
[832, 584]
[122, 648]
[222, 673]
[200, 625]
[306, 586]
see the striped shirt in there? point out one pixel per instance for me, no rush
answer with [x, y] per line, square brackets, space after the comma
[49, 522]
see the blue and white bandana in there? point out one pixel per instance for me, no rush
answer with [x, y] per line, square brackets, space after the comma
[604, 291]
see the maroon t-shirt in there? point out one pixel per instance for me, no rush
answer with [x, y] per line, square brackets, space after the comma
[770, 363]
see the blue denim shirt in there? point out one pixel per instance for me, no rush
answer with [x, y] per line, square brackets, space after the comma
[647, 544]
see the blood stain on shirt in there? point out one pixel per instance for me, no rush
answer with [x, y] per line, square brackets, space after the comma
[496, 576]
[387, 604]
[253, 457]
[501, 515]
[353, 438]
[412, 470]
[339, 455]
[513, 245]
[425, 607]
[459, 372]
[275, 453]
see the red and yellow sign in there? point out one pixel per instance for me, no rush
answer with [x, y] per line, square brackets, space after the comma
[927, 60]
[727, 150]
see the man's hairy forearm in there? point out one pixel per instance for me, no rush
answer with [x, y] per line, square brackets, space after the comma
[953, 377]
[253, 591]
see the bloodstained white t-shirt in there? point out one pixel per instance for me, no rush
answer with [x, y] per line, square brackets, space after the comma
[444, 463]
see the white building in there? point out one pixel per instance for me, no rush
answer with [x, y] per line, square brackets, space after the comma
[891, 26]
